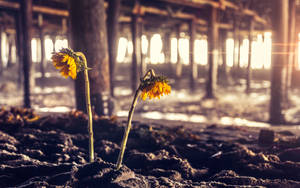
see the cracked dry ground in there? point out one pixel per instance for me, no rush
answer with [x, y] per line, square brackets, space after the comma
[52, 152]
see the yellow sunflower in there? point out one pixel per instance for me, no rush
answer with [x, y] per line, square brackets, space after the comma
[156, 90]
[66, 63]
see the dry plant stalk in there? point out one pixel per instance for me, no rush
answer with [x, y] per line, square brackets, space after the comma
[151, 86]
[70, 63]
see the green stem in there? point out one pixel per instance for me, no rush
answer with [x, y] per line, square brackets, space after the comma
[88, 107]
[130, 115]
[126, 133]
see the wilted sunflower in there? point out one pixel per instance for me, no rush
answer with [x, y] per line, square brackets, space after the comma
[155, 87]
[68, 63]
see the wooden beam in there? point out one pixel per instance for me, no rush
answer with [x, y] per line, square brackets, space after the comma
[178, 15]
[51, 11]
[35, 8]
[195, 4]
[257, 18]
[223, 4]
[225, 26]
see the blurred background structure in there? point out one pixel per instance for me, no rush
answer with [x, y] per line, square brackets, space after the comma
[209, 49]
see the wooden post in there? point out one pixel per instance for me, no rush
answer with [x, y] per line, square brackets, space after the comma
[10, 44]
[193, 65]
[149, 36]
[42, 39]
[291, 48]
[226, 79]
[26, 16]
[249, 69]
[136, 52]
[19, 46]
[236, 44]
[89, 35]
[211, 83]
[1, 61]
[167, 47]
[53, 38]
[143, 65]
[113, 13]
[179, 63]
[239, 53]
[280, 26]
[294, 65]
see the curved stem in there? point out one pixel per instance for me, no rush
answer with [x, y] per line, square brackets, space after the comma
[126, 133]
[130, 115]
[88, 107]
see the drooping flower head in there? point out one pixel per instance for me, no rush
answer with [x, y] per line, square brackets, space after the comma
[155, 87]
[68, 62]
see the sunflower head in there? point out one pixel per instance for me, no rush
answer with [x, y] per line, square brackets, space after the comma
[155, 87]
[68, 62]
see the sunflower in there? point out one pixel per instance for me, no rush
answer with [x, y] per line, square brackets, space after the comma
[68, 63]
[155, 88]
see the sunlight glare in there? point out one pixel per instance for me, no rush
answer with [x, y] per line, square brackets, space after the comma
[59, 44]
[229, 52]
[34, 48]
[156, 55]
[145, 44]
[48, 48]
[244, 50]
[200, 51]
[184, 50]
[173, 50]
[122, 47]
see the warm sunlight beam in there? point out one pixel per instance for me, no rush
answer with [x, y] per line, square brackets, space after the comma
[59, 44]
[201, 51]
[229, 51]
[173, 50]
[122, 48]
[48, 48]
[156, 55]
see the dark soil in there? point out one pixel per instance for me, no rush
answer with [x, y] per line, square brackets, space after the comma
[51, 151]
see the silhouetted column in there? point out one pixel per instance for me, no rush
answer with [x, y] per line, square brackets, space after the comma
[167, 47]
[113, 13]
[193, 65]
[143, 65]
[178, 63]
[280, 26]
[211, 82]
[1, 61]
[89, 35]
[19, 47]
[53, 39]
[236, 44]
[226, 79]
[10, 45]
[26, 16]
[249, 69]
[291, 47]
[136, 52]
[42, 50]
[149, 36]
[294, 81]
